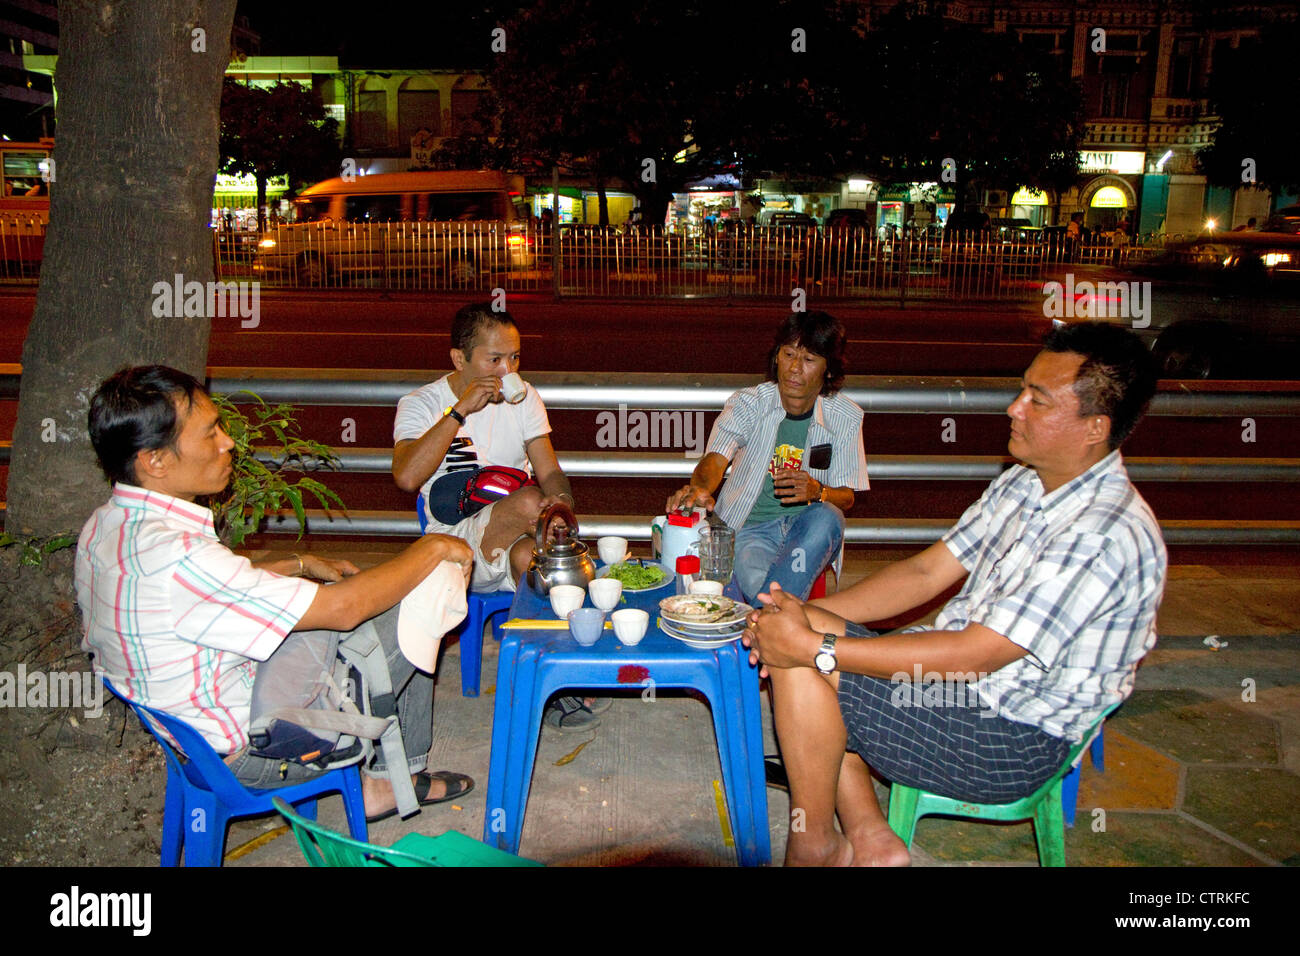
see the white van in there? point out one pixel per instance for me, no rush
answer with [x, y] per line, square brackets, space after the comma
[455, 224]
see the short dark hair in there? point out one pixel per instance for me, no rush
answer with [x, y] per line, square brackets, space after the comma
[819, 333]
[470, 319]
[136, 410]
[1117, 377]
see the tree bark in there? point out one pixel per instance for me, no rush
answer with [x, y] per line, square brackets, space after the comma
[138, 110]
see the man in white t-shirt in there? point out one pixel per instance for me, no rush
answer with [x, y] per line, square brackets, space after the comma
[462, 422]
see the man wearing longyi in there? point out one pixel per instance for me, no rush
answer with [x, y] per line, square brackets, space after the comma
[1064, 566]
[794, 445]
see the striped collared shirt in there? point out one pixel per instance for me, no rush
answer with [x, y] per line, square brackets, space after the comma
[1074, 577]
[174, 618]
[745, 434]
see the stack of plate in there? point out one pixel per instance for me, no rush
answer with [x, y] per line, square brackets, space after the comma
[705, 636]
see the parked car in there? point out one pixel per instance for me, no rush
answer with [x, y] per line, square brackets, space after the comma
[459, 223]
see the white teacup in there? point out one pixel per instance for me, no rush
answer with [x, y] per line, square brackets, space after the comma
[566, 598]
[513, 388]
[605, 593]
[630, 625]
[612, 549]
[707, 587]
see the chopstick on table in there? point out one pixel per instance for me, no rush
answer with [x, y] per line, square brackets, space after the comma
[542, 624]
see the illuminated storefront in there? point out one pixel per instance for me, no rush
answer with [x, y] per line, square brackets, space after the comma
[234, 200]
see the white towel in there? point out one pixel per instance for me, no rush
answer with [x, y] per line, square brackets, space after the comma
[434, 607]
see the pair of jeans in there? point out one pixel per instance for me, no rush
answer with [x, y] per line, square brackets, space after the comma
[792, 551]
[414, 690]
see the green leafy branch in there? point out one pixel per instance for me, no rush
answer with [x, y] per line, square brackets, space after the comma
[268, 443]
[33, 550]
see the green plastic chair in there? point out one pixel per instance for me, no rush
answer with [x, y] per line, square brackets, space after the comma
[1043, 806]
[323, 847]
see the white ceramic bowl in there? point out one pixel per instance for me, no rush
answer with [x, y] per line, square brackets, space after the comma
[630, 625]
[707, 587]
[566, 598]
[605, 593]
[612, 549]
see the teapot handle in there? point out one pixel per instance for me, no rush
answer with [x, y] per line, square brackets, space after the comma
[544, 522]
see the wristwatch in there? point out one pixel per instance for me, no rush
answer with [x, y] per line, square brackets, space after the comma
[825, 660]
[451, 410]
[821, 492]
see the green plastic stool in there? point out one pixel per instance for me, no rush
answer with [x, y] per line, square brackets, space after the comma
[1043, 806]
[323, 847]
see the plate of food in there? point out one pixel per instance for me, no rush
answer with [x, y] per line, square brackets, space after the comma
[638, 576]
[703, 612]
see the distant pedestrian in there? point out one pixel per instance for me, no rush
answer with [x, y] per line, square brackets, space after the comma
[1119, 242]
[1249, 225]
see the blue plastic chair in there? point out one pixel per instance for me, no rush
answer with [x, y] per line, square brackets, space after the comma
[203, 796]
[1070, 783]
[535, 664]
[483, 606]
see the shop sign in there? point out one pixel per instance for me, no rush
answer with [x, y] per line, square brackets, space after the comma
[1109, 197]
[1125, 162]
[1029, 197]
[246, 183]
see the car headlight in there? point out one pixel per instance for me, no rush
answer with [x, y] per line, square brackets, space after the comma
[267, 244]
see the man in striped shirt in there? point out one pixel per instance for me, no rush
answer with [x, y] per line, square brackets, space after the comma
[1064, 567]
[794, 446]
[177, 621]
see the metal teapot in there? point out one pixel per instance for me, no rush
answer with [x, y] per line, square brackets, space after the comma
[564, 560]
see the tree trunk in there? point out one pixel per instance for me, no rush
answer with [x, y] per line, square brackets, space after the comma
[261, 202]
[139, 94]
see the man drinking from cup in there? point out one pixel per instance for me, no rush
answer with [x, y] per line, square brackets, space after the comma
[482, 414]
[795, 450]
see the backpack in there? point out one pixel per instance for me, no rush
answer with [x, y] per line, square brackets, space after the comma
[323, 700]
[459, 494]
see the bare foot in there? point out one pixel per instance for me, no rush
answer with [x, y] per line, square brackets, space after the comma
[878, 846]
[837, 851]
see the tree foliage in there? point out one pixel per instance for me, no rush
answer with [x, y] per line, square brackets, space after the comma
[787, 88]
[1252, 90]
[281, 129]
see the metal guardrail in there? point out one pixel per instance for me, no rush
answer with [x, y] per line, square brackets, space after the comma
[626, 464]
[898, 395]
[876, 394]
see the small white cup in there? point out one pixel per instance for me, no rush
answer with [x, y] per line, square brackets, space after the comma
[630, 625]
[707, 587]
[605, 593]
[612, 549]
[513, 389]
[566, 598]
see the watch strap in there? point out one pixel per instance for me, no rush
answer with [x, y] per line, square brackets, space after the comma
[450, 410]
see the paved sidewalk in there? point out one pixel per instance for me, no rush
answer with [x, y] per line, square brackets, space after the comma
[1202, 764]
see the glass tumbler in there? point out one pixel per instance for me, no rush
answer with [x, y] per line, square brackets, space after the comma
[717, 553]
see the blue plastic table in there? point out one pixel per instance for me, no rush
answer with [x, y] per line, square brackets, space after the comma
[535, 664]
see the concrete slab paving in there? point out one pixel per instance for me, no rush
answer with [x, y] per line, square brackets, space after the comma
[1200, 768]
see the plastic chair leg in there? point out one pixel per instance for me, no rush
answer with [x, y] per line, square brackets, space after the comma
[902, 811]
[1098, 750]
[205, 830]
[173, 833]
[355, 806]
[307, 810]
[1070, 794]
[1049, 829]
